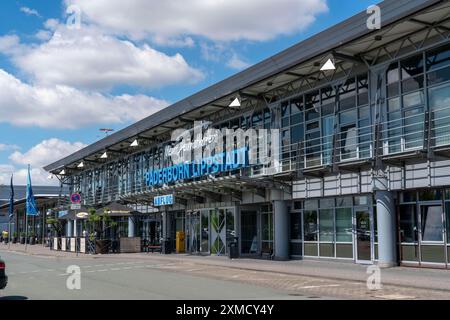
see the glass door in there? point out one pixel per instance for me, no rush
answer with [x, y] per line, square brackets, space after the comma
[249, 232]
[363, 236]
[431, 235]
[193, 232]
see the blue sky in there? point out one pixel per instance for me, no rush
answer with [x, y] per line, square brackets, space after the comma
[59, 85]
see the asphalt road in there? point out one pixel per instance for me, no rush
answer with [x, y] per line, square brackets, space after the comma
[45, 278]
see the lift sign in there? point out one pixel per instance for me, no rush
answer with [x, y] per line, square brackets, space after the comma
[166, 200]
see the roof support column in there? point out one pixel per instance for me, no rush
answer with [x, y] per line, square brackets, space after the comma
[281, 230]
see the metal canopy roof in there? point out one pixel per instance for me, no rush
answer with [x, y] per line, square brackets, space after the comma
[268, 74]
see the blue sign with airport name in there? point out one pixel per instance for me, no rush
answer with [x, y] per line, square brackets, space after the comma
[218, 163]
[166, 200]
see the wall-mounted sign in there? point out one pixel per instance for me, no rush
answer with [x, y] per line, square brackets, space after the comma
[223, 162]
[166, 200]
[75, 198]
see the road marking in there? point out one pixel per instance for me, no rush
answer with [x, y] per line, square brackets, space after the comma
[115, 269]
[395, 297]
[103, 270]
[319, 286]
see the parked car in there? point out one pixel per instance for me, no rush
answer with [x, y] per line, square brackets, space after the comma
[3, 277]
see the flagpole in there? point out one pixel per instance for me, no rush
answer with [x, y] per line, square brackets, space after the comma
[26, 230]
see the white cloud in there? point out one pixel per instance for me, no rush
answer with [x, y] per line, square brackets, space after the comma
[22, 104]
[7, 147]
[46, 152]
[38, 156]
[30, 12]
[89, 59]
[237, 63]
[219, 20]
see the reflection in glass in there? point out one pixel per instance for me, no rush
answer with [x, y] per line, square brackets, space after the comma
[267, 231]
[344, 225]
[204, 231]
[408, 224]
[447, 212]
[349, 142]
[249, 232]
[310, 225]
[296, 226]
[439, 104]
[432, 227]
[326, 227]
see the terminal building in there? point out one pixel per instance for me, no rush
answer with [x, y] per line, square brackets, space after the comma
[363, 172]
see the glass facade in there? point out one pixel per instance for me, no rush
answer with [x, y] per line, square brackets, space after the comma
[424, 221]
[329, 226]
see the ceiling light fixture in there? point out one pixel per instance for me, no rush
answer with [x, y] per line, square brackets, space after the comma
[135, 143]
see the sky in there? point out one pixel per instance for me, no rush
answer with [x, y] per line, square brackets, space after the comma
[71, 67]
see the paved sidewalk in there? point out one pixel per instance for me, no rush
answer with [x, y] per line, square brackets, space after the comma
[420, 278]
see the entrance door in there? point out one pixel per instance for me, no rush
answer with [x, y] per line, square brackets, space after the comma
[249, 232]
[431, 234]
[363, 232]
[194, 232]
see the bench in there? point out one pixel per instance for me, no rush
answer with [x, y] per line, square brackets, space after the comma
[154, 248]
[267, 253]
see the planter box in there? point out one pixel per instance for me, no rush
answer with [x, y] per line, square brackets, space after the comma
[102, 246]
[130, 245]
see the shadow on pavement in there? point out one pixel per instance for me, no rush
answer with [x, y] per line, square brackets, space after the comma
[13, 298]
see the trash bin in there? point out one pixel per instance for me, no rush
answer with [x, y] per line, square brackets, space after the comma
[233, 250]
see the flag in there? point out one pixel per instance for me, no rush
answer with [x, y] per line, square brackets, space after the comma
[11, 199]
[31, 202]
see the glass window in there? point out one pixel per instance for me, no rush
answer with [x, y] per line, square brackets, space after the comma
[326, 227]
[312, 101]
[413, 99]
[347, 95]
[439, 98]
[361, 200]
[393, 73]
[431, 220]
[326, 203]
[412, 67]
[344, 225]
[438, 58]
[414, 128]
[297, 134]
[430, 195]
[296, 226]
[349, 142]
[363, 90]
[408, 224]
[310, 225]
[447, 212]
[311, 204]
[267, 226]
[410, 196]
[348, 117]
[438, 76]
[412, 84]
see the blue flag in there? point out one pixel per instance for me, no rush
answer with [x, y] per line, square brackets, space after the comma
[11, 199]
[31, 202]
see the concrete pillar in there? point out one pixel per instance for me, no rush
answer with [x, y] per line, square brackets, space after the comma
[130, 227]
[387, 229]
[69, 228]
[281, 230]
